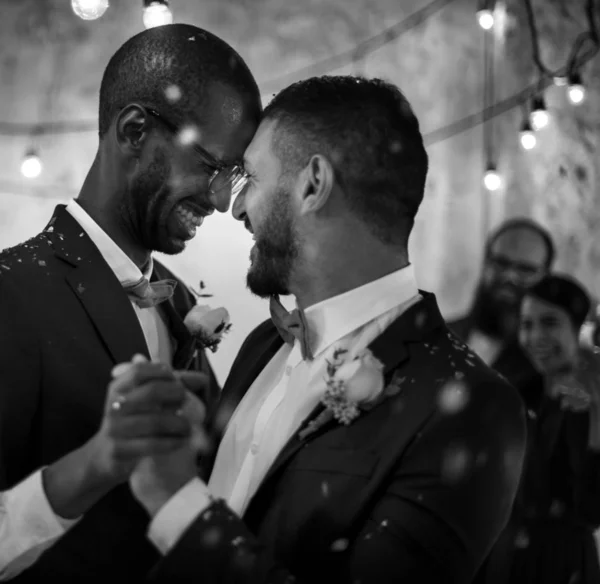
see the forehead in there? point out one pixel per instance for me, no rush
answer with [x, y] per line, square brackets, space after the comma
[534, 307]
[521, 245]
[260, 154]
[228, 122]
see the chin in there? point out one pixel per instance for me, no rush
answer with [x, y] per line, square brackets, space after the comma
[264, 284]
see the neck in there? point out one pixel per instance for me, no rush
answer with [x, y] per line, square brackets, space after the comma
[337, 266]
[99, 198]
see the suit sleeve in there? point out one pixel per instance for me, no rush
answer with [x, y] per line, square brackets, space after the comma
[445, 504]
[20, 377]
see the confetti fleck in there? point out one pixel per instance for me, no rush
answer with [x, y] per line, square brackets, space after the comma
[188, 135]
[395, 146]
[453, 397]
[80, 288]
[522, 540]
[455, 464]
[237, 541]
[173, 93]
[211, 537]
[339, 545]
[41, 263]
[325, 489]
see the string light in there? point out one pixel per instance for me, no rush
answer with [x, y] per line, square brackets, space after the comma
[538, 118]
[491, 178]
[485, 18]
[31, 166]
[89, 9]
[527, 137]
[157, 13]
[576, 89]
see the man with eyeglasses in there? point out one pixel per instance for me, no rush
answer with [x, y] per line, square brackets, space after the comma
[178, 106]
[517, 255]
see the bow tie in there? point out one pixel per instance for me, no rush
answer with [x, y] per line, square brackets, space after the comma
[147, 294]
[291, 325]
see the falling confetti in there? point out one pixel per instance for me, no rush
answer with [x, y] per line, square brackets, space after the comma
[395, 146]
[188, 135]
[173, 93]
[339, 545]
[211, 537]
[41, 263]
[453, 397]
[455, 464]
[522, 540]
[325, 489]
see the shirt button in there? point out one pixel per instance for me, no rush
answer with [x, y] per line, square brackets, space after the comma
[254, 448]
[288, 370]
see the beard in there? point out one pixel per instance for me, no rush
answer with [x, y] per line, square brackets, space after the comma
[275, 251]
[146, 207]
[495, 314]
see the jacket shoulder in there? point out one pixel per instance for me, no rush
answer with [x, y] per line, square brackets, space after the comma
[26, 260]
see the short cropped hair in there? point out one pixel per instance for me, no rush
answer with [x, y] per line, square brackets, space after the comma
[367, 130]
[169, 68]
[524, 223]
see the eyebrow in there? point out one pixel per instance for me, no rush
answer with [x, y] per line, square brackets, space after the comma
[206, 154]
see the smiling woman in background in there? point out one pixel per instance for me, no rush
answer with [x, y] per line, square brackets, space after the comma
[550, 537]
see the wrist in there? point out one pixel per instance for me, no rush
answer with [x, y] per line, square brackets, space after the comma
[153, 489]
[75, 482]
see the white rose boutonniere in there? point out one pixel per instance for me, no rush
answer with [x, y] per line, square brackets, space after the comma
[208, 325]
[352, 385]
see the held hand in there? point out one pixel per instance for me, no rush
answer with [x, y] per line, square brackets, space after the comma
[158, 477]
[142, 417]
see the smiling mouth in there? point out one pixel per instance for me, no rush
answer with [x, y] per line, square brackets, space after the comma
[191, 216]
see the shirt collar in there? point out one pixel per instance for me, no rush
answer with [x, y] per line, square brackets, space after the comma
[119, 262]
[334, 318]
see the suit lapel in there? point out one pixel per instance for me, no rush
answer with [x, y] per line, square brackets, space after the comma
[391, 348]
[97, 288]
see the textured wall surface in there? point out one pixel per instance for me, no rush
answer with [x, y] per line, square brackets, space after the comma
[51, 63]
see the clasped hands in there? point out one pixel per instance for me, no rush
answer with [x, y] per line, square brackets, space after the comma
[152, 431]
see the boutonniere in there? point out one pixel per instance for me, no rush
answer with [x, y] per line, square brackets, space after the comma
[207, 325]
[352, 386]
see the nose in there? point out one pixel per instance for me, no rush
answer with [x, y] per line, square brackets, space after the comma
[239, 207]
[220, 200]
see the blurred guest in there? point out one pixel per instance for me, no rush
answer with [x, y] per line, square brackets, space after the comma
[550, 537]
[517, 255]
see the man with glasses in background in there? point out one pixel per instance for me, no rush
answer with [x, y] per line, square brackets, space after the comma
[517, 255]
[178, 106]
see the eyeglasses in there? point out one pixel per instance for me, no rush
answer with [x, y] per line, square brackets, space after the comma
[227, 179]
[526, 272]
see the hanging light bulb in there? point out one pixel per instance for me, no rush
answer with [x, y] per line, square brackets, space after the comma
[485, 18]
[539, 116]
[89, 9]
[157, 13]
[31, 166]
[576, 89]
[491, 179]
[528, 139]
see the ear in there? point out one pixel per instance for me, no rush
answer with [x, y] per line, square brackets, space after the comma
[319, 179]
[132, 128]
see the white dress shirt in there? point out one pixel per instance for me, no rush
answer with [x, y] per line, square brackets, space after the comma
[282, 396]
[28, 525]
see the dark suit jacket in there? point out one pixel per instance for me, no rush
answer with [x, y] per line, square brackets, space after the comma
[64, 323]
[512, 363]
[406, 493]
